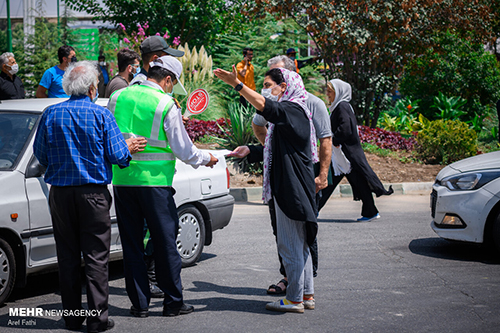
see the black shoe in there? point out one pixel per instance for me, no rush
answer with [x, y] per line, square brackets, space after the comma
[155, 291]
[141, 313]
[111, 324]
[184, 309]
[76, 326]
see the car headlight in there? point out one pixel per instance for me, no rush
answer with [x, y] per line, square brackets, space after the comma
[469, 181]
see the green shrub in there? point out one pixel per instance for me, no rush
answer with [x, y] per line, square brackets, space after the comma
[446, 141]
[240, 132]
[455, 67]
[449, 107]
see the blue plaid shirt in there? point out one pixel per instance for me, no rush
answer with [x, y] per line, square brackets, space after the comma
[77, 141]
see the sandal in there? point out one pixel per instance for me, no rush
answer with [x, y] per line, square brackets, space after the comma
[277, 289]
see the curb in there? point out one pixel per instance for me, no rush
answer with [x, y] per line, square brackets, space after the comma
[244, 194]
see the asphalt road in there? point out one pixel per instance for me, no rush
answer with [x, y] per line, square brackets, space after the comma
[389, 275]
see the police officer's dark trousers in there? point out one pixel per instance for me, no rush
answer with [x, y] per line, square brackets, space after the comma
[155, 205]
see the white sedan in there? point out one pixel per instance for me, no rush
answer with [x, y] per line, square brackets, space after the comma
[26, 236]
[465, 200]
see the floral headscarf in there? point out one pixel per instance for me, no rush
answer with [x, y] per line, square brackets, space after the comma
[295, 93]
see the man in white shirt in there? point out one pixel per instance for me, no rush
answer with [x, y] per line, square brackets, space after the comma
[143, 192]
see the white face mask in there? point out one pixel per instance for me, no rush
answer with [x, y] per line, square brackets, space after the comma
[13, 69]
[102, 63]
[267, 93]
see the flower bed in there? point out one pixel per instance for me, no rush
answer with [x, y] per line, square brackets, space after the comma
[386, 139]
[199, 128]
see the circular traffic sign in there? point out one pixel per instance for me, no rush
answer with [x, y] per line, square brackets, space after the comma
[198, 101]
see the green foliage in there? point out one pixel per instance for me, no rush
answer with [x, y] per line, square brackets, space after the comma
[39, 52]
[367, 42]
[402, 118]
[446, 141]
[39, 55]
[374, 149]
[268, 37]
[449, 107]
[196, 22]
[455, 67]
[197, 73]
[240, 132]
[109, 46]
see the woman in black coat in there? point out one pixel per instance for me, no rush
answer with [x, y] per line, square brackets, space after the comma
[288, 154]
[362, 178]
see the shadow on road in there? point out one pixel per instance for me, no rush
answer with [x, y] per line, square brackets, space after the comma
[48, 283]
[217, 304]
[336, 221]
[453, 250]
[201, 286]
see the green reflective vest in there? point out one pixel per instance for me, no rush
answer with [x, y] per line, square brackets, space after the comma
[140, 112]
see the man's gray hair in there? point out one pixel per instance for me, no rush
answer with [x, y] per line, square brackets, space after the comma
[284, 59]
[4, 58]
[79, 77]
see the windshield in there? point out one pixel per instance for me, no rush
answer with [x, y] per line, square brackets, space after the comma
[15, 129]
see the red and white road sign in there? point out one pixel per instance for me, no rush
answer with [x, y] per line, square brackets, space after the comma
[198, 101]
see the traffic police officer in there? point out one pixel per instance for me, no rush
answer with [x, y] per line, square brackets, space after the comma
[144, 190]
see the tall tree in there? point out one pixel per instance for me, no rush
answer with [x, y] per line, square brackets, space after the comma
[196, 22]
[367, 42]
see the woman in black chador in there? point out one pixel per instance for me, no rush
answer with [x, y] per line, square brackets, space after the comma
[360, 175]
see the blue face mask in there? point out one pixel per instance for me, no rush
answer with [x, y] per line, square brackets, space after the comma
[96, 96]
[137, 71]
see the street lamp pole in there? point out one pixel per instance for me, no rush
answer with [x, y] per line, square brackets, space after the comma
[9, 28]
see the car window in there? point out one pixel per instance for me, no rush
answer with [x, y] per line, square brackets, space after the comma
[15, 130]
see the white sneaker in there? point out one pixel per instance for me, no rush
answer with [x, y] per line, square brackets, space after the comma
[367, 219]
[285, 305]
[309, 304]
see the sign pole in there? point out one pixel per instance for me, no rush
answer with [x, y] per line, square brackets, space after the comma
[9, 28]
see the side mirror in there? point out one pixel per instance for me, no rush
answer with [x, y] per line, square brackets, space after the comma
[34, 169]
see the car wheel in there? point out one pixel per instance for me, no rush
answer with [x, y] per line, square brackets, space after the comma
[191, 235]
[7, 270]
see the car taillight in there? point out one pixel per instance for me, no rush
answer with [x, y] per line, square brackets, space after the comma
[228, 177]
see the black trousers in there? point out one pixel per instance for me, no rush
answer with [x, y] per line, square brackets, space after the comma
[243, 101]
[313, 248]
[359, 185]
[155, 205]
[80, 217]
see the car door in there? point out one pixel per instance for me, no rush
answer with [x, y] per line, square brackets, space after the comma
[42, 244]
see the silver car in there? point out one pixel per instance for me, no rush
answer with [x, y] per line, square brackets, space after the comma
[465, 200]
[26, 236]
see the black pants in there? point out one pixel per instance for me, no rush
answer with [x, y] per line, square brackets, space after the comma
[155, 205]
[359, 185]
[243, 101]
[80, 217]
[313, 248]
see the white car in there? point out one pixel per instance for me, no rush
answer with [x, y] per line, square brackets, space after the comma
[27, 241]
[465, 200]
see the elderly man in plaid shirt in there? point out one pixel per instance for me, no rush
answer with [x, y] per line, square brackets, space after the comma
[78, 140]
